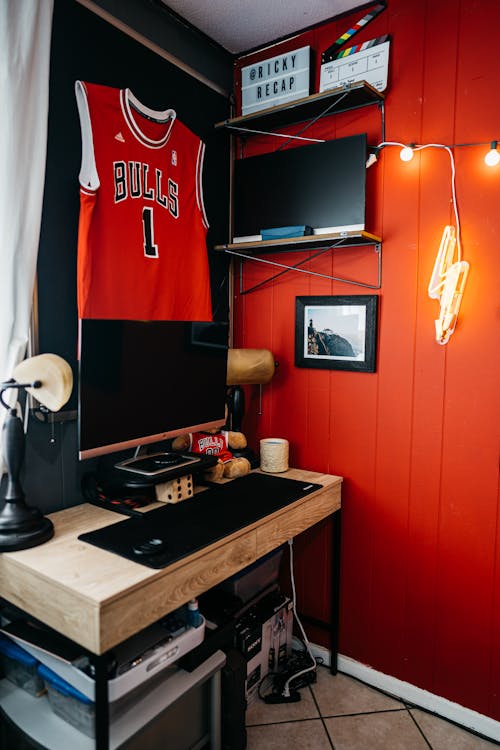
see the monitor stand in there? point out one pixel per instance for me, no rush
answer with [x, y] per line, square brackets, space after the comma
[131, 484]
[159, 467]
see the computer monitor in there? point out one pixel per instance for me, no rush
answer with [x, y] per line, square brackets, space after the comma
[322, 186]
[145, 381]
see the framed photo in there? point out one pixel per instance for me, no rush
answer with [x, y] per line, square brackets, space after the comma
[336, 333]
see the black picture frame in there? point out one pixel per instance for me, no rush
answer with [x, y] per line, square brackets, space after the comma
[337, 333]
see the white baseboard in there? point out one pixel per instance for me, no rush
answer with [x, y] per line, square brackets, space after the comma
[405, 691]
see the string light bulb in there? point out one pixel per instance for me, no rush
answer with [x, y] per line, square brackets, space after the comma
[493, 156]
[406, 153]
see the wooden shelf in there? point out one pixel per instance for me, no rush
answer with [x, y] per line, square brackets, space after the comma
[310, 108]
[329, 102]
[337, 239]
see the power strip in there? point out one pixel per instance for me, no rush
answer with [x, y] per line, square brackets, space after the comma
[175, 490]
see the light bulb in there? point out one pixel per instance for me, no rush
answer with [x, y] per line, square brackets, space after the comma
[493, 156]
[406, 153]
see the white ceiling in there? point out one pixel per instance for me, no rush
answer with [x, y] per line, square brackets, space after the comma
[242, 25]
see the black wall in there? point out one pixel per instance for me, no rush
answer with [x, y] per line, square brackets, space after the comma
[88, 48]
[154, 20]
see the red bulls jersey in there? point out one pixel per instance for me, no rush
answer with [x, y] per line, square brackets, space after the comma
[210, 444]
[142, 232]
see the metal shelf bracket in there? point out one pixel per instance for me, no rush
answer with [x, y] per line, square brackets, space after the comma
[296, 267]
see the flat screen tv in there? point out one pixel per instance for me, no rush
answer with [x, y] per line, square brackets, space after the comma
[322, 186]
[145, 381]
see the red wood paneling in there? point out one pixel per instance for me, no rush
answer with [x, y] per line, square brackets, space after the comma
[417, 441]
[429, 373]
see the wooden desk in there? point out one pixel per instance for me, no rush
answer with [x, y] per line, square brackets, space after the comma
[99, 599]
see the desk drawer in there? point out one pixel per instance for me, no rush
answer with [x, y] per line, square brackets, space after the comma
[170, 589]
[293, 521]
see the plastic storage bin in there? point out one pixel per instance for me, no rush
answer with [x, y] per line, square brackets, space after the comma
[68, 703]
[20, 667]
[149, 652]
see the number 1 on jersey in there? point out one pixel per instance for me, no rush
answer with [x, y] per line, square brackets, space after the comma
[150, 249]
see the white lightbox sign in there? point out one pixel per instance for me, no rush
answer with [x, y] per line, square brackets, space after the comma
[277, 80]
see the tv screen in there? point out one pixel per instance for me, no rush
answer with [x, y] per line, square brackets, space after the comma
[143, 381]
[320, 185]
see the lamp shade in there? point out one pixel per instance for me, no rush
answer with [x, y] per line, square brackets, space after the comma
[54, 374]
[249, 366]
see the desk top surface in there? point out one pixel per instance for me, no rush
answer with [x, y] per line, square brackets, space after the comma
[98, 598]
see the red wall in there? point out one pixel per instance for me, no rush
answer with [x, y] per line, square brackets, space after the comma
[416, 442]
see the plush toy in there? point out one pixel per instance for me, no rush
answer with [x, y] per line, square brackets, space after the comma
[218, 443]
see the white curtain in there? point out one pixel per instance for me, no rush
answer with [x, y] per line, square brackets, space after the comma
[25, 31]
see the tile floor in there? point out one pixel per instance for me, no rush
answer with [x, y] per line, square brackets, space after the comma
[341, 713]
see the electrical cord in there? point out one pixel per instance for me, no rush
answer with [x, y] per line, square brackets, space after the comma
[301, 665]
[94, 493]
[312, 666]
[318, 659]
[420, 147]
[269, 677]
[299, 673]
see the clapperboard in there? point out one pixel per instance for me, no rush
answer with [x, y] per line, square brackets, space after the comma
[362, 62]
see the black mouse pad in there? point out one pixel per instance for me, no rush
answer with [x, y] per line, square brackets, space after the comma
[167, 534]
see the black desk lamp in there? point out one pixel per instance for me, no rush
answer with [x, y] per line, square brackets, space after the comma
[49, 379]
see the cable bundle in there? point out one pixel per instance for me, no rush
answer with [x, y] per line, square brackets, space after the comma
[301, 666]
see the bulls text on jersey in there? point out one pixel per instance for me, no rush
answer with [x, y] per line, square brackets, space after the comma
[132, 180]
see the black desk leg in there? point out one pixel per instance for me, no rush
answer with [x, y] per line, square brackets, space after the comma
[335, 590]
[101, 704]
